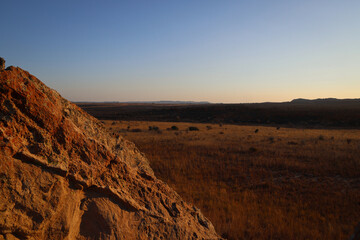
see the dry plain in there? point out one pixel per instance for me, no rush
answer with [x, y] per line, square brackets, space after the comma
[256, 182]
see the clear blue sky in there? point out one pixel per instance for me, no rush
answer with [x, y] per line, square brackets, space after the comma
[217, 51]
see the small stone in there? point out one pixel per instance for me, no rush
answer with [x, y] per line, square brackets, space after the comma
[2, 63]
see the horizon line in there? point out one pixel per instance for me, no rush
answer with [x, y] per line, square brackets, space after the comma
[207, 102]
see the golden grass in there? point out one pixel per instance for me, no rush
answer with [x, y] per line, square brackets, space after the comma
[274, 184]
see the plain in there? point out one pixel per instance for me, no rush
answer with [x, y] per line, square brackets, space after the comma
[256, 182]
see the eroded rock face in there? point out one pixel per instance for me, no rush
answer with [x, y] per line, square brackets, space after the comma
[62, 176]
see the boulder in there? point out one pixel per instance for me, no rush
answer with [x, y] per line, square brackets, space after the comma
[62, 176]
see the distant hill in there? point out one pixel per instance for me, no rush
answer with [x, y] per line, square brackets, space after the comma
[326, 101]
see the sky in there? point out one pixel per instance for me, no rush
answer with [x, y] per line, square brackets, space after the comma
[198, 50]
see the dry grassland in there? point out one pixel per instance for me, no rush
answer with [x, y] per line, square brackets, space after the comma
[265, 184]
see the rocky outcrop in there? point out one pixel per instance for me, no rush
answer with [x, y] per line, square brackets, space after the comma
[62, 176]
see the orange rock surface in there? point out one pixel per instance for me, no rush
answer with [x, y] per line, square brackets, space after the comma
[62, 176]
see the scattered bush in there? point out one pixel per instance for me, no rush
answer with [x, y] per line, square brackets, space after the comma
[348, 141]
[174, 128]
[252, 149]
[256, 130]
[193, 129]
[153, 128]
[208, 127]
[136, 130]
[321, 137]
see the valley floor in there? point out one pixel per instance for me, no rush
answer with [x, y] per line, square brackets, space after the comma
[258, 182]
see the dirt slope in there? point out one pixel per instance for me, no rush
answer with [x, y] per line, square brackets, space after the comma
[62, 176]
